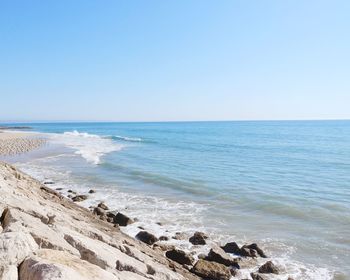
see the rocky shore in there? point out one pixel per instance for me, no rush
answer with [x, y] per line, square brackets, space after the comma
[46, 235]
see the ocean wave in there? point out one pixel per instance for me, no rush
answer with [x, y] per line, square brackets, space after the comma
[89, 146]
[128, 139]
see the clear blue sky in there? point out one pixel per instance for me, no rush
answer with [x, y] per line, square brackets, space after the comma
[174, 60]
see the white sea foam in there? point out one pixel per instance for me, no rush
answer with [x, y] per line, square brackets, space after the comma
[124, 138]
[91, 147]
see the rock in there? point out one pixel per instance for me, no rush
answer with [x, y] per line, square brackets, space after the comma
[211, 270]
[8, 272]
[112, 214]
[146, 237]
[256, 276]
[202, 256]
[71, 191]
[59, 189]
[255, 247]
[163, 238]
[232, 248]
[99, 211]
[198, 238]
[163, 247]
[246, 252]
[15, 247]
[80, 197]
[268, 267]
[179, 256]
[122, 220]
[103, 206]
[48, 183]
[51, 264]
[218, 255]
[92, 191]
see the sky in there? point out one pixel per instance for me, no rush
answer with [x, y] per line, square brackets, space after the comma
[174, 60]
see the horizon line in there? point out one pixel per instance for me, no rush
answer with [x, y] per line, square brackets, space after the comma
[166, 121]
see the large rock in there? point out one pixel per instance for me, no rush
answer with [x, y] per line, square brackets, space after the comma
[146, 237]
[211, 270]
[232, 248]
[79, 198]
[122, 220]
[180, 256]
[15, 247]
[55, 265]
[218, 255]
[268, 267]
[256, 248]
[198, 238]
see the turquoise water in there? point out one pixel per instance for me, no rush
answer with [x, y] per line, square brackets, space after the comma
[285, 184]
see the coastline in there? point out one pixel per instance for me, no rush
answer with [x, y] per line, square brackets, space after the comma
[69, 187]
[41, 227]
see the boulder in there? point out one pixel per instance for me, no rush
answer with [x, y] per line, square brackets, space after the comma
[211, 270]
[179, 256]
[268, 267]
[122, 220]
[99, 211]
[247, 252]
[103, 206]
[15, 247]
[198, 238]
[232, 248]
[256, 248]
[163, 238]
[80, 197]
[55, 265]
[218, 255]
[146, 237]
[92, 191]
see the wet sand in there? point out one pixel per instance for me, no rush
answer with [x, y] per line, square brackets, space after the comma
[14, 143]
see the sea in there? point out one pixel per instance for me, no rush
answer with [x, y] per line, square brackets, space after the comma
[282, 184]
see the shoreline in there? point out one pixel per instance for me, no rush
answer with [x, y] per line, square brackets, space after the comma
[195, 251]
[40, 226]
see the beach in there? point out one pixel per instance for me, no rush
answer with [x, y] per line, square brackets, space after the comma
[14, 143]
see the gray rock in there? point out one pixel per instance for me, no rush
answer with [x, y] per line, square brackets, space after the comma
[198, 238]
[256, 248]
[103, 206]
[122, 220]
[80, 197]
[146, 237]
[268, 267]
[232, 248]
[211, 270]
[218, 255]
[180, 257]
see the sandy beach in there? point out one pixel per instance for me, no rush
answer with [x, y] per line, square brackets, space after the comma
[14, 143]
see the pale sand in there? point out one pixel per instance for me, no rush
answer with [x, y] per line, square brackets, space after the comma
[14, 143]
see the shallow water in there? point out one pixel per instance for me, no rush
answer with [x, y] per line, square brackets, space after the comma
[283, 184]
